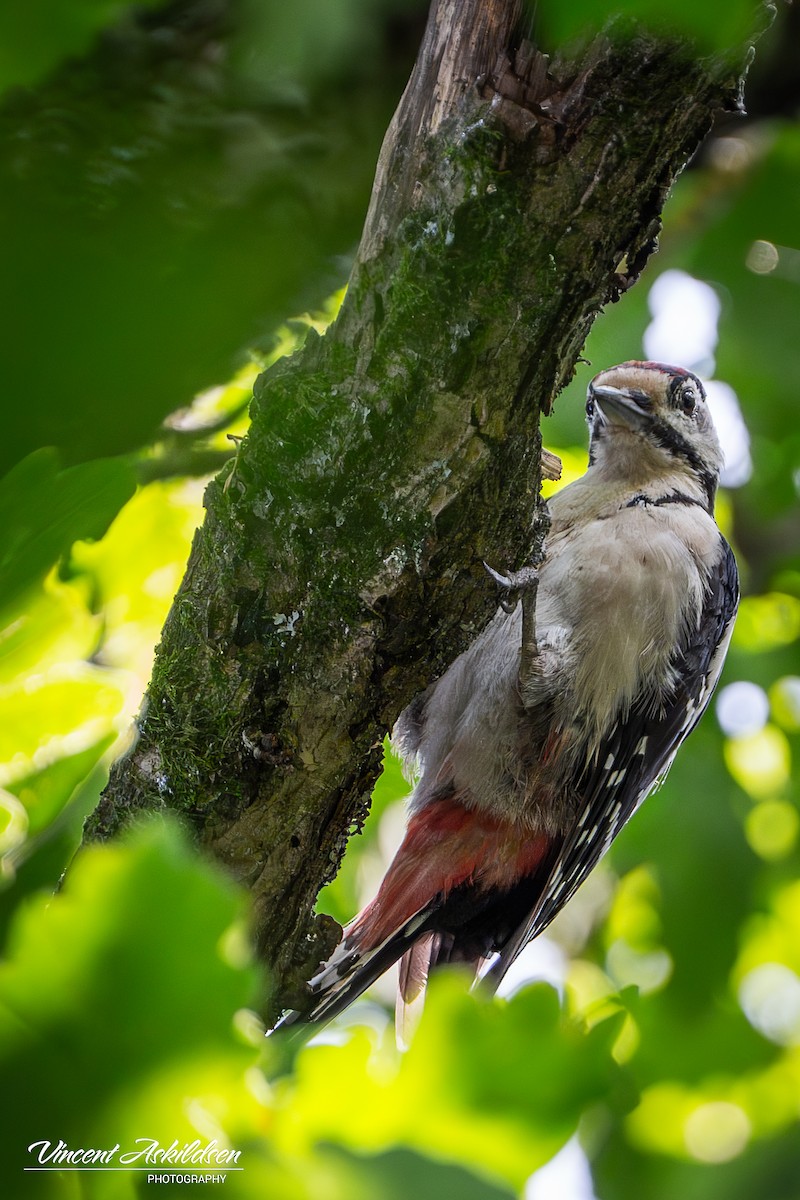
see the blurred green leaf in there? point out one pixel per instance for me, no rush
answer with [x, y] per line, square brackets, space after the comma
[54, 626]
[766, 622]
[317, 39]
[43, 510]
[715, 25]
[113, 982]
[62, 713]
[336, 1173]
[398, 1174]
[498, 1088]
[34, 38]
[56, 801]
[168, 215]
[134, 571]
[45, 793]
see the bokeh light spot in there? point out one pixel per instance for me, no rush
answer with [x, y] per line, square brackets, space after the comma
[717, 1132]
[784, 697]
[760, 762]
[742, 708]
[771, 829]
[762, 257]
[767, 622]
[770, 999]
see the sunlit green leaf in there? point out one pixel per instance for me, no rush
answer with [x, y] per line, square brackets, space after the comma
[773, 936]
[60, 713]
[498, 1088]
[54, 626]
[134, 571]
[13, 823]
[784, 698]
[116, 981]
[44, 509]
[45, 793]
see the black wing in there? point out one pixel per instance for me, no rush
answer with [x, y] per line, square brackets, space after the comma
[634, 759]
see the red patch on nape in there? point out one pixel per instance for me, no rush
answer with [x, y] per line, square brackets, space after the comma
[446, 845]
[664, 368]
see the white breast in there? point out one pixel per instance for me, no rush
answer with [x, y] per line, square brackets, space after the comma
[626, 586]
[616, 592]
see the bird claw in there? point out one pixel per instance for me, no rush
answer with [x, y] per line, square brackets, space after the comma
[513, 585]
[502, 581]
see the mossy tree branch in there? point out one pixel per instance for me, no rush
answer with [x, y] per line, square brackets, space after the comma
[339, 567]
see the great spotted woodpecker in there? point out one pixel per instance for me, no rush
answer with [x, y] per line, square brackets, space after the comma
[543, 738]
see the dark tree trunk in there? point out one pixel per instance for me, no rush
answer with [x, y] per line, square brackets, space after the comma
[339, 567]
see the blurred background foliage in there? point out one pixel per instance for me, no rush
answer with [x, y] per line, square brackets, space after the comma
[181, 190]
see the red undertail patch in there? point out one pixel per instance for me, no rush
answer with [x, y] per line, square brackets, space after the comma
[446, 845]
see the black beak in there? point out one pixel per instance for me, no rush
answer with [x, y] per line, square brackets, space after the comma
[621, 406]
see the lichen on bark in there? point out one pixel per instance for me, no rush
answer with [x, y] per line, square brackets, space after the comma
[339, 568]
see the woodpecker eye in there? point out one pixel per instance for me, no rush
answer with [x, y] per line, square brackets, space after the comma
[689, 400]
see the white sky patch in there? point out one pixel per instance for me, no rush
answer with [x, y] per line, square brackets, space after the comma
[542, 960]
[566, 1177]
[742, 708]
[362, 1014]
[733, 435]
[683, 330]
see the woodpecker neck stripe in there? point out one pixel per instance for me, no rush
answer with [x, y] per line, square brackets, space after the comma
[672, 498]
[670, 440]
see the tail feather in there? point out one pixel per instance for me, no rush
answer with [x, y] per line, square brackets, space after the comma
[350, 971]
[429, 952]
[452, 866]
[412, 982]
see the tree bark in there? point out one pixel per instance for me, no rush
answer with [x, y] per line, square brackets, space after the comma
[339, 569]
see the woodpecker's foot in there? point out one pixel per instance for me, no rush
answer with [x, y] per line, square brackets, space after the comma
[514, 585]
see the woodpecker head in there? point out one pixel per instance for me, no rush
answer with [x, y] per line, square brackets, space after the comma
[648, 419]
